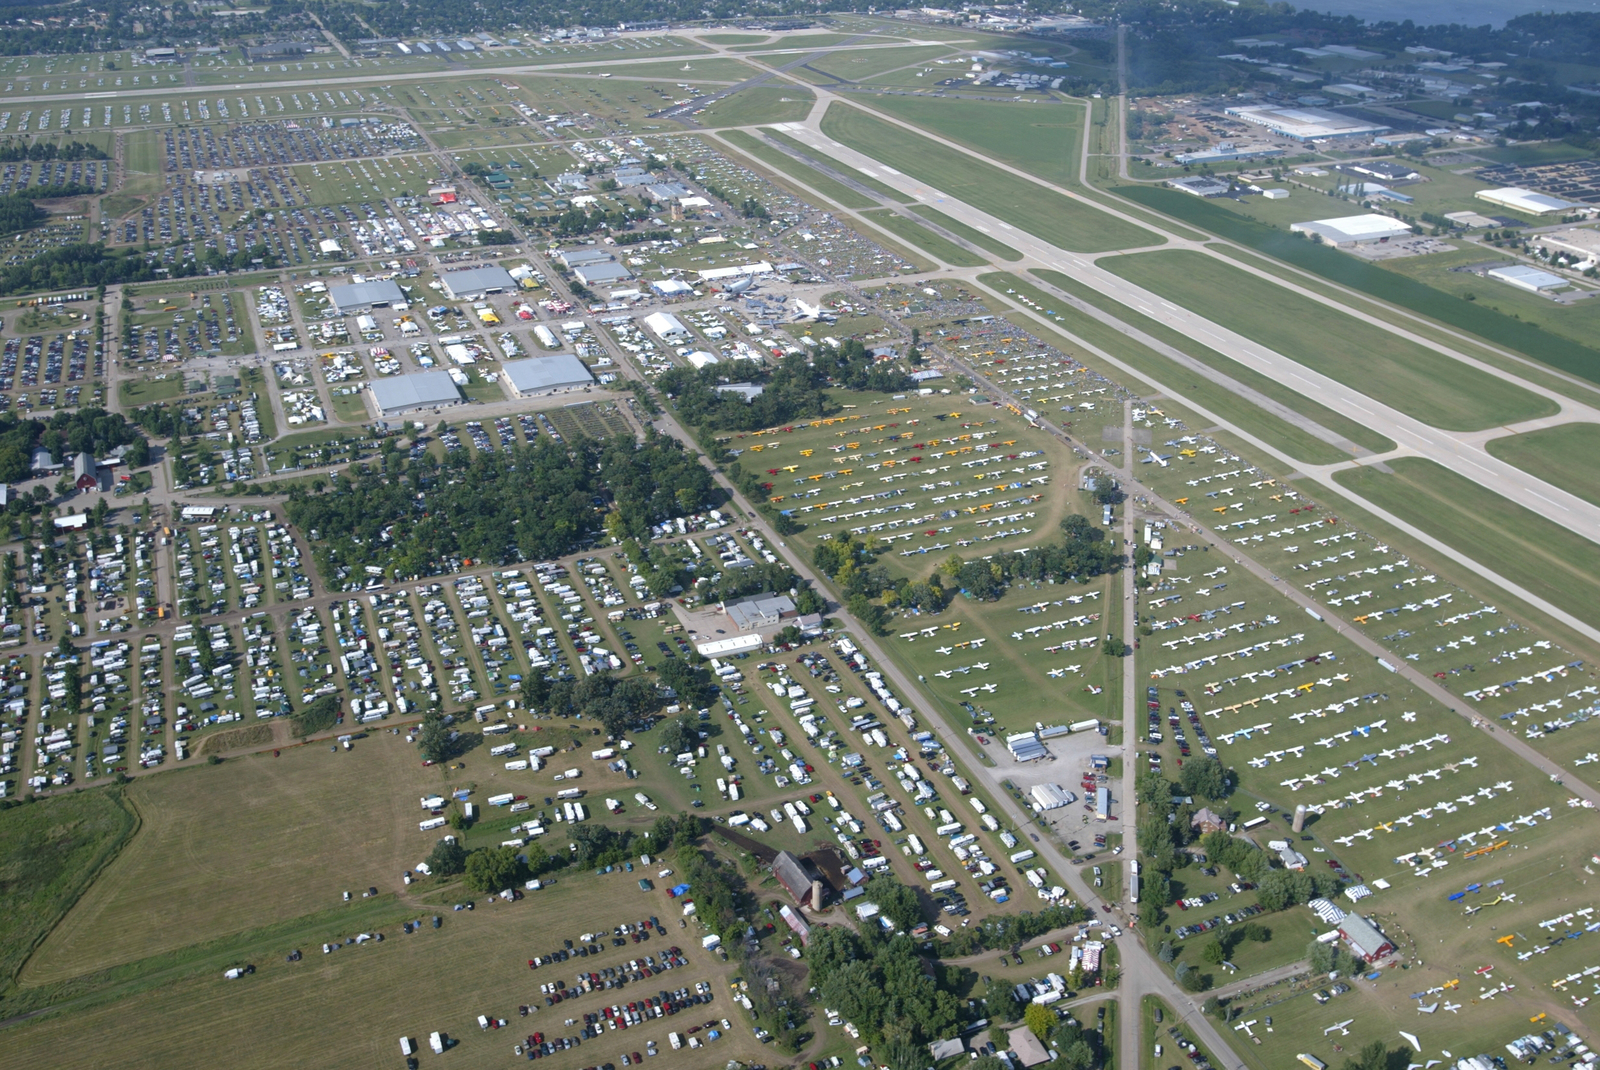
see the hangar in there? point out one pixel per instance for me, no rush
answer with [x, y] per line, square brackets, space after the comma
[1353, 229]
[1527, 201]
[477, 281]
[1527, 278]
[363, 296]
[1305, 124]
[408, 393]
[546, 375]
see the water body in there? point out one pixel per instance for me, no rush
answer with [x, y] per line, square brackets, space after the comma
[1436, 12]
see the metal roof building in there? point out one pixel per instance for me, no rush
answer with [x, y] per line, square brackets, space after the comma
[760, 611]
[791, 873]
[477, 281]
[408, 393]
[1364, 938]
[601, 271]
[361, 296]
[1525, 200]
[1353, 229]
[1025, 747]
[1527, 278]
[544, 375]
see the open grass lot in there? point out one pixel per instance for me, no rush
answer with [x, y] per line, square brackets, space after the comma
[934, 244]
[757, 105]
[1356, 432]
[820, 39]
[1019, 202]
[857, 65]
[1412, 378]
[1044, 140]
[784, 164]
[1542, 556]
[244, 845]
[1556, 455]
[836, 166]
[691, 69]
[50, 852]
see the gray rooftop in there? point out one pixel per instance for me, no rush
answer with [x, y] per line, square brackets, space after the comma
[591, 255]
[601, 272]
[357, 294]
[477, 280]
[414, 391]
[546, 373]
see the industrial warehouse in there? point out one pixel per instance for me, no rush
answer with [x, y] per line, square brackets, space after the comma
[546, 375]
[476, 282]
[364, 296]
[408, 393]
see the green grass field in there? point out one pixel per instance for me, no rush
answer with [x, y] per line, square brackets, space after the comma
[1044, 140]
[1356, 432]
[934, 244]
[757, 105]
[1410, 377]
[1044, 213]
[1545, 558]
[831, 188]
[862, 64]
[50, 852]
[1557, 455]
[799, 41]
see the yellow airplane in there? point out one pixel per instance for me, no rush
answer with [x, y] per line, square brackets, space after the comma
[880, 427]
[1180, 501]
[1541, 1016]
[790, 467]
[1276, 497]
[1506, 940]
[1220, 509]
[815, 479]
[1156, 412]
[1306, 687]
[953, 415]
[1453, 984]
[1186, 453]
[852, 445]
[847, 471]
[1009, 442]
[1361, 619]
[1385, 826]
[777, 498]
[807, 453]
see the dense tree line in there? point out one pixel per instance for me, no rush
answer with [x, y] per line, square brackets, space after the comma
[91, 430]
[792, 391]
[79, 265]
[19, 213]
[533, 502]
[878, 982]
[17, 151]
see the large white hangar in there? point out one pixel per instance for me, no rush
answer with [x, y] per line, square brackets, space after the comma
[475, 282]
[1353, 229]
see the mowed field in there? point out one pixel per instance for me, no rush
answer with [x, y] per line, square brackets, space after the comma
[1044, 140]
[1559, 455]
[1540, 555]
[1023, 204]
[258, 840]
[1410, 377]
[349, 1009]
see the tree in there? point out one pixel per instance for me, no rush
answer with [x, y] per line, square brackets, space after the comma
[447, 858]
[492, 869]
[1324, 958]
[319, 716]
[433, 738]
[1204, 777]
[73, 683]
[682, 734]
[1000, 996]
[1166, 953]
[1039, 1019]
[1214, 952]
[535, 688]
[1373, 1056]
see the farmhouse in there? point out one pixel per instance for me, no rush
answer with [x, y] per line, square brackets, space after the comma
[546, 375]
[365, 296]
[791, 873]
[408, 393]
[1366, 942]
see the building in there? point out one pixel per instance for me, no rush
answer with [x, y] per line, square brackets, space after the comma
[1305, 124]
[1526, 201]
[364, 296]
[1278, 194]
[1206, 821]
[473, 283]
[664, 192]
[546, 375]
[408, 393]
[1353, 230]
[793, 919]
[759, 611]
[666, 326]
[671, 287]
[1028, 1049]
[85, 473]
[1227, 150]
[1200, 185]
[796, 879]
[589, 255]
[1025, 747]
[277, 50]
[1383, 171]
[947, 1049]
[43, 462]
[1292, 860]
[1366, 942]
[1527, 278]
[601, 271]
[1050, 796]
[748, 391]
